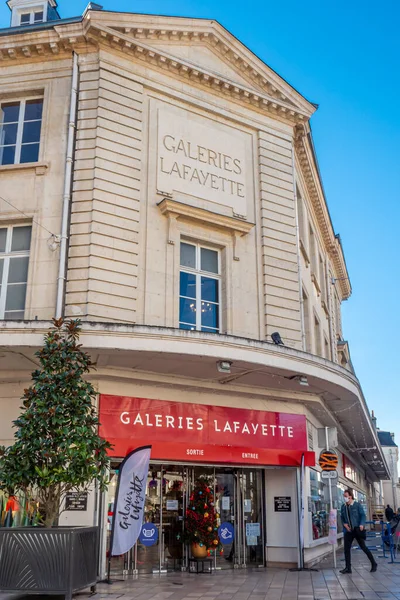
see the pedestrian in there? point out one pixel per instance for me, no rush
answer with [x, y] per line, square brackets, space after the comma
[353, 519]
[389, 513]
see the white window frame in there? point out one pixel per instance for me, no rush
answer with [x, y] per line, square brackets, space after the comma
[20, 125]
[199, 274]
[6, 256]
[31, 14]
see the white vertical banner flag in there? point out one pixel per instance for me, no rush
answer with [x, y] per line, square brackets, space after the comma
[129, 500]
[301, 524]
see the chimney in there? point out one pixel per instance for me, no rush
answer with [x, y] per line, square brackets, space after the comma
[392, 436]
[373, 417]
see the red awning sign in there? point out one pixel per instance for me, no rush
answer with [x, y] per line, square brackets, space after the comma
[203, 433]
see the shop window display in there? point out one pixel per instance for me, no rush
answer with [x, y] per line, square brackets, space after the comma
[16, 511]
[340, 489]
[319, 505]
[362, 499]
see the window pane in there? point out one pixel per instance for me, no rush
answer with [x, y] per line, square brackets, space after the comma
[7, 155]
[1, 270]
[38, 17]
[3, 238]
[188, 256]
[188, 285]
[320, 505]
[210, 330]
[187, 311]
[25, 18]
[31, 132]
[16, 297]
[8, 134]
[209, 315]
[29, 153]
[14, 316]
[188, 327]
[18, 272]
[209, 289]
[33, 110]
[209, 260]
[10, 112]
[21, 239]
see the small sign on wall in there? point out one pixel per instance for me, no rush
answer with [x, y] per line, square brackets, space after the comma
[226, 503]
[247, 505]
[76, 501]
[253, 529]
[283, 504]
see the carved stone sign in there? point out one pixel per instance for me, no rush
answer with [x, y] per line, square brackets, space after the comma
[202, 158]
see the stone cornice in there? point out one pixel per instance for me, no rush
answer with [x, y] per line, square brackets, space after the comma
[195, 74]
[41, 44]
[65, 38]
[311, 175]
[179, 209]
[228, 49]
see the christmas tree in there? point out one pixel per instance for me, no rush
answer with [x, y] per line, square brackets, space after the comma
[201, 519]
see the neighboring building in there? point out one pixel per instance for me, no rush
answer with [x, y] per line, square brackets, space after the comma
[159, 181]
[391, 489]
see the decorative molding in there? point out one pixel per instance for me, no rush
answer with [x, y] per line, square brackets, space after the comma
[304, 253]
[311, 175]
[315, 281]
[276, 98]
[279, 108]
[229, 54]
[325, 307]
[343, 353]
[176, 210]
[40, 168]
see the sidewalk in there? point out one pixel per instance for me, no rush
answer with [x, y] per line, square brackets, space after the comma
[259, 584]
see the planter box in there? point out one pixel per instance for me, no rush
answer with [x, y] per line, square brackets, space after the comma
[58, 561]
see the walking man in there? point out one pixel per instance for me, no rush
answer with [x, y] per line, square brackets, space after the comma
[353, 519]
[389, 513]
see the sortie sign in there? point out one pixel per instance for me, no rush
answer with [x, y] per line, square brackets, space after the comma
[196, 432]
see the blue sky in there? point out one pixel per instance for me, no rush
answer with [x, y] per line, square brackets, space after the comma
[345, 56]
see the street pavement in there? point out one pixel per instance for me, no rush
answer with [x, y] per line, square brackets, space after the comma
[258, 584]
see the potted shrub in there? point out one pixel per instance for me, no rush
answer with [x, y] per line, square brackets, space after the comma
[57, 450]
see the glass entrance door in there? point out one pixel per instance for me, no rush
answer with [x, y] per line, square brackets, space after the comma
[250, 535]
[172, 517]
[225, 502]
[239, 506]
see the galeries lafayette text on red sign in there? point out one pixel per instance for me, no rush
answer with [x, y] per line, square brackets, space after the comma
[165, 421]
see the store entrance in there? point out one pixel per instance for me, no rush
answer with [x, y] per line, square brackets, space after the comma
[239, 506]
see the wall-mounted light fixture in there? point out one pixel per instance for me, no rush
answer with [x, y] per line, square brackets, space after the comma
[224, 366]
[302, 379]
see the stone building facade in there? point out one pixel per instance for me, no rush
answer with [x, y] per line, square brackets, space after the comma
[391, 488]
[159, 182]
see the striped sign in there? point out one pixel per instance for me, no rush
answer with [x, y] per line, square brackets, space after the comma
[328, 460]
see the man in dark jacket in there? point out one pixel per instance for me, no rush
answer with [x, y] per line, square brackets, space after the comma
[389, 513]
[353, 519]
